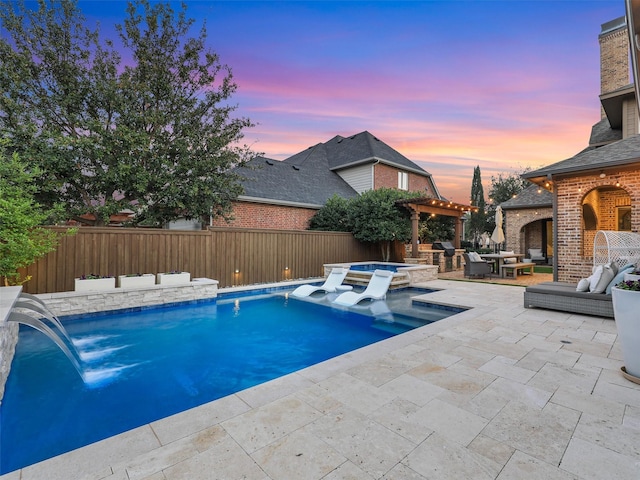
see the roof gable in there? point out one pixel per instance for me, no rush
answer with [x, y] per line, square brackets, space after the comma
[531, 197]
[344, 152]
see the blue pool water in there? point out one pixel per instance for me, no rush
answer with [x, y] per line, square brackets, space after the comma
[147, 365]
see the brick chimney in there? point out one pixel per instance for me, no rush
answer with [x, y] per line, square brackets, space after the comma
[614, 56]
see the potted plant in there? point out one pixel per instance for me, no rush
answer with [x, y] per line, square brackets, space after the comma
[632, 275]
[626, 305]
[94, 283]
[136, 280]
[174, 277]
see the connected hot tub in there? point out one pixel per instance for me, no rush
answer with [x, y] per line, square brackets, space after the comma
[404, 274]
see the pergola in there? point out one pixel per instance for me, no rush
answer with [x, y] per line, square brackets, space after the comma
[434, 206]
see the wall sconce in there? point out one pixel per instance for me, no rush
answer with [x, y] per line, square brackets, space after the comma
[539, 190]
[617, 183]
[236, 271]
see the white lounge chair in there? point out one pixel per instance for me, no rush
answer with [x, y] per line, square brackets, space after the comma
[376, 289]
[334, 280]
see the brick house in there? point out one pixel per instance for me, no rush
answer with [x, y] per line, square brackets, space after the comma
[599, 188]
[286, 194]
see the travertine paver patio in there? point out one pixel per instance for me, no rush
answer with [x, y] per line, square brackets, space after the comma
[497, 392]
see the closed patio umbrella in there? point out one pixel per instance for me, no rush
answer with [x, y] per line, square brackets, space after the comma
[498, 234]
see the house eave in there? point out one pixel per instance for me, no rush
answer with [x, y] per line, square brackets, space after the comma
[541, 175]
[284, 203]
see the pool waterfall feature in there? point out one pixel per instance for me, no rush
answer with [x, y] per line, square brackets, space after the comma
[80, 303]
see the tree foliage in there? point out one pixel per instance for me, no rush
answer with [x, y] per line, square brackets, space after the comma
[372, 217]
[436, 228]
[504, 186]
[146, 126]
[22, 241]
[333, 216]
[476, 224]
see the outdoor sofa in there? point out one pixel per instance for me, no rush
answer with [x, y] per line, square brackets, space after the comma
[564, 297]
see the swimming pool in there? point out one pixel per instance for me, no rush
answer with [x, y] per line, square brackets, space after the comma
[150, 364]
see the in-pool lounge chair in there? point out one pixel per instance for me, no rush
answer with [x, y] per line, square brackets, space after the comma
[376, 289]
[334, 280]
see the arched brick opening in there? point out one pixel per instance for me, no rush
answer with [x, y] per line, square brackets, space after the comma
[529, 228]
[605, 207]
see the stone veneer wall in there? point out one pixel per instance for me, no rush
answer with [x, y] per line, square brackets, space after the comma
[8, 332]
[76, 303]
[8, 341]
[417, 273]
[428, 256]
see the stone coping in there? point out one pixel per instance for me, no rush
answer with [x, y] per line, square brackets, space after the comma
[8, 297]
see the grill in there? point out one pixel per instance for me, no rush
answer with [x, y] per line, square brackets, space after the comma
[449, 250]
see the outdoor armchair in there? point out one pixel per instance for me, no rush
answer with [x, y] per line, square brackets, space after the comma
[475, 268]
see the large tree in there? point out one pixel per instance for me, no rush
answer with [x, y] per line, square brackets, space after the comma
[146, 126]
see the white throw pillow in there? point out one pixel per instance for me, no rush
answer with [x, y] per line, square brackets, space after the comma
[608, 273]
[583, 285]
[508, 260]
[595, 277]
[474, 257]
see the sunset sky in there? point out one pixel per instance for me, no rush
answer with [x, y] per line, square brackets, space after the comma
[505, 85]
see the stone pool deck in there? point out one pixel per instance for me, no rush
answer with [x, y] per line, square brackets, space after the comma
[496, 392]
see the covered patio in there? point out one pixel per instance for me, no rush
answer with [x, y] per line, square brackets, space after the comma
[432, 207]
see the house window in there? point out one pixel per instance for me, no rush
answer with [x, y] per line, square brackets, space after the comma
[624, 218]
[403, 181]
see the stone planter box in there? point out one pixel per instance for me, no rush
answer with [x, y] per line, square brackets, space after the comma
[94, 284]
[173, 278]
[136, 281]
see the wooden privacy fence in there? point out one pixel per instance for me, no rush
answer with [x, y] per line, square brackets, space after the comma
[232, 256]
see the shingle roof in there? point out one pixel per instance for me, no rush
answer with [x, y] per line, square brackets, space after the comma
[622, 152]
[310, 178]
[277, 181]
[602, 133]
[531, 197]
[343, 152]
